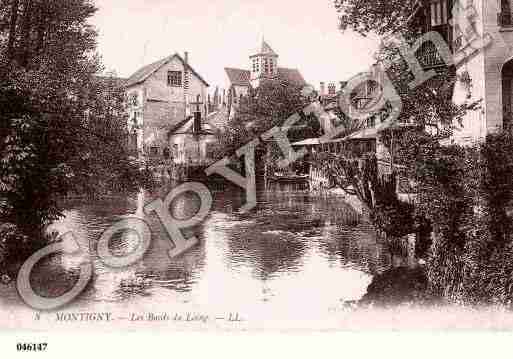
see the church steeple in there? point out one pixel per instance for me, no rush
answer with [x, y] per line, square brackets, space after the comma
[264, 64]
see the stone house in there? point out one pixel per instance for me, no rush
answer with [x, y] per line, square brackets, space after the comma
[192, 140]
[160, 96]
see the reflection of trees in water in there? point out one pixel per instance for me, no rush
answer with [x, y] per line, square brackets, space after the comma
[88, 221]
[178, 273]
[284, 220]
[53, 276]
[266, 254]
[269, 246]
[355, 246]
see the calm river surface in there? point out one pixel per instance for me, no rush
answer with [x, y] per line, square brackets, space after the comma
[298, 257]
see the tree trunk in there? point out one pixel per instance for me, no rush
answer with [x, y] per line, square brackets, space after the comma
[41, 27]
[12, 29]
[25, 40]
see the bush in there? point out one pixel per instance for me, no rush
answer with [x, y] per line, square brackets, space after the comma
[466, 193]
[12, 245]
[398, 286]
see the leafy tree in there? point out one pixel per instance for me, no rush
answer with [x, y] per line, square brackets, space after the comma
[62, 128]
[374, 16]
[265, 107]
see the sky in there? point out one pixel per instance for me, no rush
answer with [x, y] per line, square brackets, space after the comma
[224, 33]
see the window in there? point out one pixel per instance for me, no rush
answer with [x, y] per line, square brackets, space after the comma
[166, 153]
[505, 6]
[255, 65]
[174, 78]
[134, 99]
[438, 12]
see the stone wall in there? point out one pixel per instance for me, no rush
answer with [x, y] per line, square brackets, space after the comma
[163, 106]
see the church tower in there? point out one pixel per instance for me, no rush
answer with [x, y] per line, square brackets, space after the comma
[263, 65]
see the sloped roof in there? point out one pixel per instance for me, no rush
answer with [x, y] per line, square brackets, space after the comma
[238, 76]
[373, 132]
[177, 125]
[291, 75]
[242, 77]
[266, 49]
[307, 142]
[363, 134]
[218, 119]
[119, 81]
[186, 127]
[143, 73]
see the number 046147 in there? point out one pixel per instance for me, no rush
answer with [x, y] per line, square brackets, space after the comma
[31, 347]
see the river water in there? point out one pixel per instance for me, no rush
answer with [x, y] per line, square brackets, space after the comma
[298, 257]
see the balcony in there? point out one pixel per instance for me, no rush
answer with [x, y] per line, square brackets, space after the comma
[505, 19]
[429, 57]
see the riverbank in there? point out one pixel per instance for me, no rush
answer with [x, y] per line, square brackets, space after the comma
[397, 286]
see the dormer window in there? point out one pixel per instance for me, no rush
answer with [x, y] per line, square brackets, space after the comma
[174, 78]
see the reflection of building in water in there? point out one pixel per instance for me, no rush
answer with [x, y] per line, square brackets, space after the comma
[182, 271]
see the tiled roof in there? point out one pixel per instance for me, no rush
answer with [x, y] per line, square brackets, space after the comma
[242, 77]
[238, 76]
[292, 76]
[143, 73]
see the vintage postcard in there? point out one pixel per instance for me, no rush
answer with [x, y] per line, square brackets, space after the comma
[248, 165]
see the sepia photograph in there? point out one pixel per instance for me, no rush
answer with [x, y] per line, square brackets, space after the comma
[255, 166]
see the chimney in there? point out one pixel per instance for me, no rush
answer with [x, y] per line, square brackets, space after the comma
[186, 84]
[323, 89]
[216, 98]
[197, 116]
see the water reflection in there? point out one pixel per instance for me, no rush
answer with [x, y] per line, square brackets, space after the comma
[293, 245]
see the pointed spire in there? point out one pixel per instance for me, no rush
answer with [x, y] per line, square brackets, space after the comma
[266, 49]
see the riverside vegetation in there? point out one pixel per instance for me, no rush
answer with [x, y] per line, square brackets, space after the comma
[62, 128]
